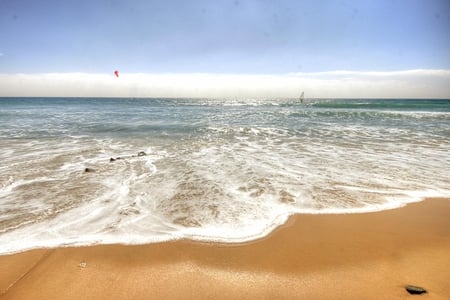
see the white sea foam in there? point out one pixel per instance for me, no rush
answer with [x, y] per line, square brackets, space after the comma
[228, 173]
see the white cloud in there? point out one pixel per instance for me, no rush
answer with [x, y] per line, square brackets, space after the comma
[335, 84]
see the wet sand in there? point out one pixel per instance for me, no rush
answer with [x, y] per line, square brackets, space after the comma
[357, 256]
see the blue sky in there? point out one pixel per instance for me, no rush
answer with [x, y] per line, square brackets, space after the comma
[225, 48]
[238, 37]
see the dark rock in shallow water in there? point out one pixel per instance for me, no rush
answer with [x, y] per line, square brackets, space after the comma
[416, 290]
[142, 153]
[89, 170]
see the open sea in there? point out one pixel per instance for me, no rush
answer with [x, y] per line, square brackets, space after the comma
[83, 171]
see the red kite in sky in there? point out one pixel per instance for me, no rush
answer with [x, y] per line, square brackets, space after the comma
[116, 72]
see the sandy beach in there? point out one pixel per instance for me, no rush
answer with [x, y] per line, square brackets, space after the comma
[354, 256]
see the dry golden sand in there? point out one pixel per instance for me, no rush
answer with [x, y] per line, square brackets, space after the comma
[358, 256]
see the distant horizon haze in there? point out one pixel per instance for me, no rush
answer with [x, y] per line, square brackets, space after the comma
[332, 84]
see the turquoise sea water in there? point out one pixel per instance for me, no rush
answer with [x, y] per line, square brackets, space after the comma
[214, 169]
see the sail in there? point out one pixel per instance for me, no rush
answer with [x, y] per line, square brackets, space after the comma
[302, 97]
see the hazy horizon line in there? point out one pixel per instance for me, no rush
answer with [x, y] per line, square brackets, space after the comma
[415, 83]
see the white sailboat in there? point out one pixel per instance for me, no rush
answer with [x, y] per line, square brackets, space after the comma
[302, 97]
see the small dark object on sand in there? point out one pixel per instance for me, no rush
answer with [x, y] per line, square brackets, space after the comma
[89, 170]
[415, 290]
[142, 153]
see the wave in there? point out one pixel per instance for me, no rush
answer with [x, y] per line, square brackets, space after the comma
[385, 104]
[210, 173]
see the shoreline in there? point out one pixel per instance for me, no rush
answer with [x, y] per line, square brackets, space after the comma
[332, 256]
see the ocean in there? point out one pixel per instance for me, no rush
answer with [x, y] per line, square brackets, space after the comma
[84, 171]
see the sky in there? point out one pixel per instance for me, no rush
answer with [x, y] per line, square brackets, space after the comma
[341, 48]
